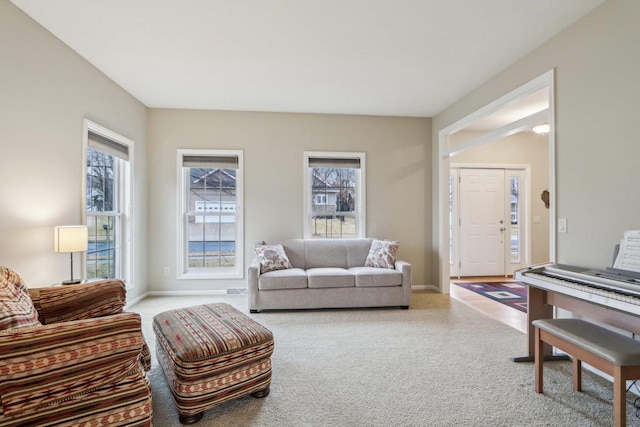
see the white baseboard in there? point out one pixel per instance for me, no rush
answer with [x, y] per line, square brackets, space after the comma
[224, 292]
[186, 293]
[136, 300]
[174, 294]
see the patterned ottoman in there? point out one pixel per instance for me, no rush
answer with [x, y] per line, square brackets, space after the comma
[211, 354]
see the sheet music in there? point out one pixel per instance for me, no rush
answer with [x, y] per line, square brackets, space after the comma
[629, 256]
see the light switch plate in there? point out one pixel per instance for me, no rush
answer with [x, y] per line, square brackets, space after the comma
[562, 225]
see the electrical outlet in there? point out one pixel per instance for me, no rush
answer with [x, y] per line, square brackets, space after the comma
[166, 271]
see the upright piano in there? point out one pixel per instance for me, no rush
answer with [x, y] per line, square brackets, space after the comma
[608, 296]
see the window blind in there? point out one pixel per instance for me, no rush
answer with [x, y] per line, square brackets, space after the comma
[212, 162]
[328, 162]
[109, 146]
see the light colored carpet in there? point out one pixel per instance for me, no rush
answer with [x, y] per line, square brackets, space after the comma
[440, 363]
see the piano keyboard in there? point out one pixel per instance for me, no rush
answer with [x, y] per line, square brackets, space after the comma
[606, 297]
[593, 287]
[616, 294]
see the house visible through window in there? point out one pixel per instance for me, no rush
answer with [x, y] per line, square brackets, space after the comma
[107, 201]
[334, 188]
[210, 230]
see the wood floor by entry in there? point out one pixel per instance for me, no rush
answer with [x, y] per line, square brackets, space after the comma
[493, 309]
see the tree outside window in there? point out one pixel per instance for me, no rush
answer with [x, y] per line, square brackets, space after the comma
[335, 207]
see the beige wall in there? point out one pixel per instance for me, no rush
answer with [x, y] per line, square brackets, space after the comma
[398, 173]
[524, 148]
[597, 88]
[46, 90]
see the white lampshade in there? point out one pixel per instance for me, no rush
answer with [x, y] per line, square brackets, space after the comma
[71, 238]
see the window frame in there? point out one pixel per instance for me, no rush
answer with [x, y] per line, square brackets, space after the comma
[123, 215]
[360, 207]
[524, 234]
[183, 273]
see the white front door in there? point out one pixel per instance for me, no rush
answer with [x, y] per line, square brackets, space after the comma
[482, 222]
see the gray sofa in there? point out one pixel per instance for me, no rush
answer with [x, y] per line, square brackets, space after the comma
[328, 273]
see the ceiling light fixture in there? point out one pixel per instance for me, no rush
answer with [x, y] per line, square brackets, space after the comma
[541, 129]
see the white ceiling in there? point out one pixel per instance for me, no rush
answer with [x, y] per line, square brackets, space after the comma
[375, 57]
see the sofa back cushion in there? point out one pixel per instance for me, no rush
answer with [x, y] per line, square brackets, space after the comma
[97, 298]
[357, 251]
[325, 253]
[339, 253]
[16, 308]
[295, 252]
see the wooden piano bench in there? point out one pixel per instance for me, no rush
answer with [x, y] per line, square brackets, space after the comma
[608, 351]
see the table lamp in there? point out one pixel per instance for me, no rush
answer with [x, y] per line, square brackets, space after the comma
[71, 238]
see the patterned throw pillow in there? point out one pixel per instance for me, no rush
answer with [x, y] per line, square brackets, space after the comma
[272, 257]
[382, 254]
[16, 307]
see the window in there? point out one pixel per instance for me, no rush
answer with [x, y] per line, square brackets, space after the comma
[451, 218]
[334, 195]
[107, 203]
[514, 214]
[210, 228]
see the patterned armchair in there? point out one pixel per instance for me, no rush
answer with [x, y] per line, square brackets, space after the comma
[70, 356]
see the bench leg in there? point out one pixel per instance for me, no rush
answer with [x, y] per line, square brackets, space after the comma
[619, 398]
[539, 360]
[577, 374]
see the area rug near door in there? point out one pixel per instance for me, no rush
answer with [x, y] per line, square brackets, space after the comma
[513, 294]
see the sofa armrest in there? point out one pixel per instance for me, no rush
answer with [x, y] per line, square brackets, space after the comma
[75, 302]
[252, 283]
[52, 363]
[405, 268]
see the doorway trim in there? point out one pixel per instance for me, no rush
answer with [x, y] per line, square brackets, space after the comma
[546, 80]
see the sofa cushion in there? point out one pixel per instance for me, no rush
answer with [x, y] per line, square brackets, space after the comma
[330, 278]
[291, 278]
[16, 308]
[325, 253]
[271, 257]
[373, 276]
[382, 254]
[295, 251]
[357, 251]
